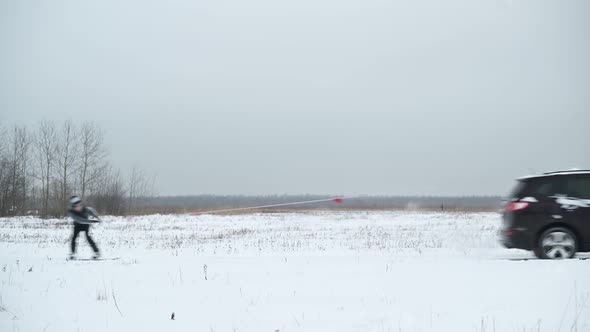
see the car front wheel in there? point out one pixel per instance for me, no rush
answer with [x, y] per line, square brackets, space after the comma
[556, 243]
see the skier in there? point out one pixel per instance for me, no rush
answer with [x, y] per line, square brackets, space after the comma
[80, 214]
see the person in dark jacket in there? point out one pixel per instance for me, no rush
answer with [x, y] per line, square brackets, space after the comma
[81, 215]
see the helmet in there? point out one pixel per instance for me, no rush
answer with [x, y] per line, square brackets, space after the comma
[74, 200]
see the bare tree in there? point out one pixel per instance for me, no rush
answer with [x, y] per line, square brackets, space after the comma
[46, 154]
[2, 139]
[140, 185]
[4, 171]
[24, 142]
[109, 196]
[91, 156]
[13, 171]
[133, 188]
[66, 160]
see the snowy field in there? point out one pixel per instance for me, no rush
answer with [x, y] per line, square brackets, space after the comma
[321, 271]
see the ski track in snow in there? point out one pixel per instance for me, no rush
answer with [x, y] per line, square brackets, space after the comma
[320, 271]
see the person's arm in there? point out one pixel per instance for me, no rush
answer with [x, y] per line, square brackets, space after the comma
[93, 213]
[79, 219]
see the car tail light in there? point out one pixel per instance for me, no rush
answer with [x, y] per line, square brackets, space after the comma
[517, 206]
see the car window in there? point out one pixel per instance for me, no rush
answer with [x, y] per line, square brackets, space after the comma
[549, 186]
[579, 187]
[518, 190]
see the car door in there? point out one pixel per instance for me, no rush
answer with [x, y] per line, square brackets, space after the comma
[548, 192]
[577, 206]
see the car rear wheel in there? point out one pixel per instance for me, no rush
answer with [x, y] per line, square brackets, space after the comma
[556, 243]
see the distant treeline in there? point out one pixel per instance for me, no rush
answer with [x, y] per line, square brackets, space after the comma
[171, 204]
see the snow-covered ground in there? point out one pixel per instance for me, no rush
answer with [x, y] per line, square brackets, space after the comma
[321, 271]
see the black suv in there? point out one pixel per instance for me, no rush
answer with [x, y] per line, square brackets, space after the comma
[549, 214]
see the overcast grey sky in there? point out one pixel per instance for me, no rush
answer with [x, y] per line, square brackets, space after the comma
[310, 96]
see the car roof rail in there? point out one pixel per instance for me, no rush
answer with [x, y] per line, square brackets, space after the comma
[568, 171]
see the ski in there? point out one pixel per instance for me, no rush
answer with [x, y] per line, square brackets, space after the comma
[93, 259]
